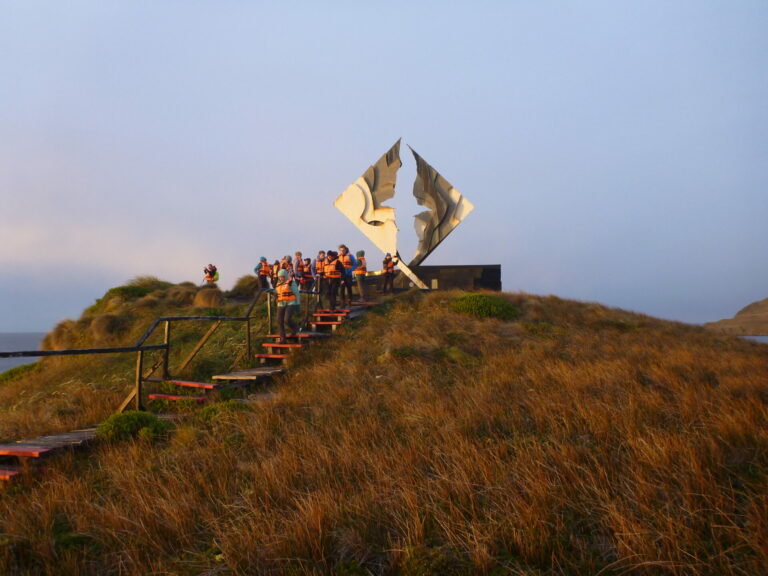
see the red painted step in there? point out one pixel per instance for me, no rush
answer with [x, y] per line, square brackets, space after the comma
[264, 357]
[190, 384]
[327, 323]
[177, 397]
[302, 335]
[336, 311]
[322, 314]
[279, 345]
[8, 473]
[23, 450]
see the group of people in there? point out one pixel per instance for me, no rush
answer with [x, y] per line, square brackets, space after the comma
[331, 275]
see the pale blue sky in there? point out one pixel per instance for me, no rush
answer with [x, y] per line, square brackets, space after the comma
[615, 151]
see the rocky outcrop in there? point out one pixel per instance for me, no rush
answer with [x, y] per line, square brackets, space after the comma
[751, 320]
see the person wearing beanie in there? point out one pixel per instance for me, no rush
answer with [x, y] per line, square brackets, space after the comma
[360, 272]
[288, 298]
[264, 271]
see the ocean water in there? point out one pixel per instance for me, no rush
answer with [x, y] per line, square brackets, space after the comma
[18, 341]
[763, 339]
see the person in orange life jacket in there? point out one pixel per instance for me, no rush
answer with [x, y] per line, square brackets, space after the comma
[287, 264]
[298, 266]
[288, 299]
[349, 263]
[333, 270]
[388, 273]
[307, 280]
[264, 272]
[360, 271]
[275, 270]
[317, 269]
[210, 273]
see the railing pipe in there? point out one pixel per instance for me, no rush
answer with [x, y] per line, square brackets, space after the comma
[167, 353]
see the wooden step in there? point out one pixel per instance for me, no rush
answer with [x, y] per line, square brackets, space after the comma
[23, 450]
[190, 384]
[7, 473]
[334, 311]
[326, 323]
[301, 335]
[250, 374]
[279, 345]
[177, 397]
[334, 314]
[264, 357]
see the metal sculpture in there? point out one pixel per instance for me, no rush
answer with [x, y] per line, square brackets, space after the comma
[447, 208]
[362, 204]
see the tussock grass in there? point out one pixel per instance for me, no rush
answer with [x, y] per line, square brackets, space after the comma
[575, 440]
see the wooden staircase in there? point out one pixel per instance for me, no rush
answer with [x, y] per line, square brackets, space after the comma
[25, 456]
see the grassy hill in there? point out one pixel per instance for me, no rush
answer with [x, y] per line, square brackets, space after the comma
[752, 320]
[428, 438]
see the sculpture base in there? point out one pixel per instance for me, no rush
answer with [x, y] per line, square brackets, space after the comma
[469, 277]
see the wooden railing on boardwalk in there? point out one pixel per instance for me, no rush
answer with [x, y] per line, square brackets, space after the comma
[140, 347]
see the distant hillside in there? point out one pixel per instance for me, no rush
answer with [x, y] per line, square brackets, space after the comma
[751, 320]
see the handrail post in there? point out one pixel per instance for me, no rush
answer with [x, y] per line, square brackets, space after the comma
[248, 339]
[139, 369]
[167, 352]
[269, 314]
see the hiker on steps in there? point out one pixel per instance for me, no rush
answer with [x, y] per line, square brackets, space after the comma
[333, 271]
[307, 280]
[360, 272]
[349, 263]
[318, 269]
[288, 298]
[264, 271]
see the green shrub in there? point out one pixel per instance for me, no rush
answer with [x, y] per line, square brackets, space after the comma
[18, 371]
[245, 288]
[215, 413]
[133, 424]
[485, 306]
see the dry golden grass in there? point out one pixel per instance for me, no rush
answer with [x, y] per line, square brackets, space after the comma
[575, 440]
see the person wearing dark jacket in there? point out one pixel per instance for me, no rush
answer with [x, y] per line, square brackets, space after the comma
[388, 273]
[334, 271]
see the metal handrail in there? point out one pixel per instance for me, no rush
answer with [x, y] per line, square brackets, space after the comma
[140, 347]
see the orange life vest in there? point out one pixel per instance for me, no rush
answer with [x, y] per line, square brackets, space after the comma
[284, 293]
[361, 269]
[307, 275]
[320, 267]
[299, 269]
[389, 266]
[264, 270]
[346, 260]
[331, 271]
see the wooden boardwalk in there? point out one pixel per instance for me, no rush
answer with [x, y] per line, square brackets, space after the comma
[22, 457]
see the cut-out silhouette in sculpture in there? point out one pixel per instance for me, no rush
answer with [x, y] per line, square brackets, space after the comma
[362, 204]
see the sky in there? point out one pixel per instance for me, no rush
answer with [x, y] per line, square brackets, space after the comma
[615, 152]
